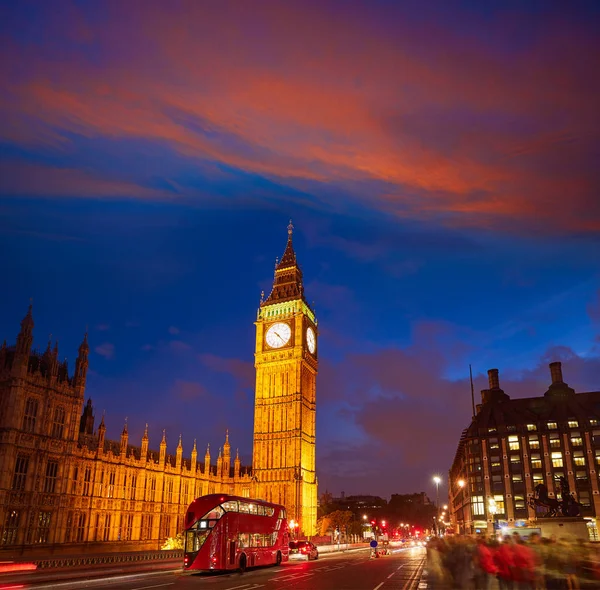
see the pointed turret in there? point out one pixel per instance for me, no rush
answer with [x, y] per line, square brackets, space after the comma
[236, 464]
[124, 440]
[220, 464]
[226, 455]
[24, 343]
[207, 461]
[2, 355]
[101, 435]
[194, 460]
[144, 448]
[81, 365]
[86, 423]
[179, 454]
[163, 448]
[287, 284]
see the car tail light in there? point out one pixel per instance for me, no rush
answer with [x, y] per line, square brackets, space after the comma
[304, 549]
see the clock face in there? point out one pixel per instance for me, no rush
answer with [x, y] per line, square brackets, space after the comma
[278, 335]
[311, 340]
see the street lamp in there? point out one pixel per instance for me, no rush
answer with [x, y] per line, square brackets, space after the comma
[436, 481]
[293, 524]
[493, 509]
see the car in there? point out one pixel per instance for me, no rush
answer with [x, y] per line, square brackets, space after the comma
[303, 550]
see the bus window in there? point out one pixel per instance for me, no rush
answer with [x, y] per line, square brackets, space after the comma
[230, 506]
[244, 507]
[244, 540]
[214, 514]
[269, 510]
[253, 509]
[261, 510]
[194, 540]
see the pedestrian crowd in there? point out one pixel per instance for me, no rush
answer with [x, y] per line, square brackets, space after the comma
[512, 563]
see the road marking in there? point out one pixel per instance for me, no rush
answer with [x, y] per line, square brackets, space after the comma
[391, 575]
[377, 587]
[238, 587]
[104, 580]
[155, 586]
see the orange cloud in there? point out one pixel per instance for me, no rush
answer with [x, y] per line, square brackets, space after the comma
[447, 122]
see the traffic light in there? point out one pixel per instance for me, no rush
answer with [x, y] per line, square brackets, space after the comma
[383, 524]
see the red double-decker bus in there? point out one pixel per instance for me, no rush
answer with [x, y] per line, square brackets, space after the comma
[225, 532]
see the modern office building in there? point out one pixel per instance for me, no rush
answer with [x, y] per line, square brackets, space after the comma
[513, 445]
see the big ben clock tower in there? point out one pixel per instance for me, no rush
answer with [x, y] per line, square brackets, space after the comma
[286, 361]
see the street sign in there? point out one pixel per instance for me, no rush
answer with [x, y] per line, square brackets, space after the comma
[373, 543]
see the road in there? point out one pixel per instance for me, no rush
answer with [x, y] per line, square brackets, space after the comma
[347, 571]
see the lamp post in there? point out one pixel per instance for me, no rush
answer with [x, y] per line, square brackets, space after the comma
[436, 481]
[493, 509]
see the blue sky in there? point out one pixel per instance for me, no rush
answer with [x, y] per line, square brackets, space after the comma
[441, 173]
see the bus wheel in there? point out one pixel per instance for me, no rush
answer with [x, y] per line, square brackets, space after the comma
[242, 564]
[278, 562]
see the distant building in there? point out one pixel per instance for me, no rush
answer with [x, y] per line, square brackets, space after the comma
[417, 499]
[511, 446]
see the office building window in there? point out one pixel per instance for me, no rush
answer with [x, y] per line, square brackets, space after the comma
[576, 440]
[536, 461]
[20, 474]
[499, 499]
[593, 422]
[552, 425]
[578, 458]
[51, 475]
[534, 441]
[581, 476]
[517, 477]
[573, 424]
[554, 441]
[537, 478]
[557, 460]
[519, 502]
[531, 427]
[513, 443]
[584, 498]
[30, 416]
[477, 505]
[494, 444]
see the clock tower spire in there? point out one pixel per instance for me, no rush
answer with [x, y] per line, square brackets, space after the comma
[287, 284]
[286, 363]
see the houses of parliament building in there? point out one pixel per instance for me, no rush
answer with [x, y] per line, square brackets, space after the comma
[63, 482]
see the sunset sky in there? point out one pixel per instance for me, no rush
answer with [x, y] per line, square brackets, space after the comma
[441, 167]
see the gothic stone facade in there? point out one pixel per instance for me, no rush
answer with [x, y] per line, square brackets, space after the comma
[63, 482]
[513, 445]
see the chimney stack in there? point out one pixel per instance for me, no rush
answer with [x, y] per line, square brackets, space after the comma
[493, 379]
[556, 372]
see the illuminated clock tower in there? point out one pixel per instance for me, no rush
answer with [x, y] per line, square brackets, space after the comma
[286, 361]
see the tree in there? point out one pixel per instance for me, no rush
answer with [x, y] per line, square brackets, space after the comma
[340, 519]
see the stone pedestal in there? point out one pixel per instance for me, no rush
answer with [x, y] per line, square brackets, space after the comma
[563, 527]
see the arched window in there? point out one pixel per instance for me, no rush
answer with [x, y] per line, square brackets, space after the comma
[31, 410]
[58, 426]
